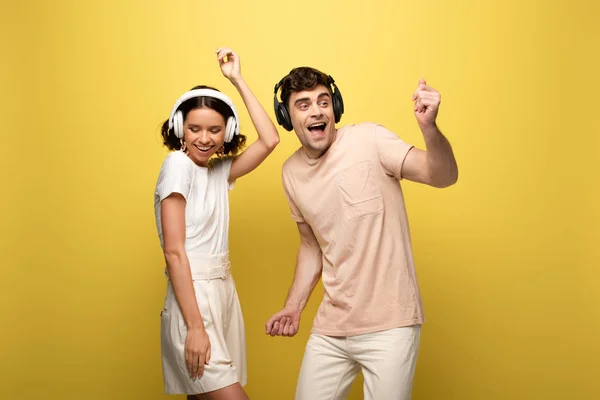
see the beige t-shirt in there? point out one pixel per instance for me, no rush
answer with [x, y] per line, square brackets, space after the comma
[352, 199]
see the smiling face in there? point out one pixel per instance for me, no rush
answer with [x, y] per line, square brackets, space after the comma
[312, 117]
[204, 134]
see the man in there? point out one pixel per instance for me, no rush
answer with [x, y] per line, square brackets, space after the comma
[344, 192]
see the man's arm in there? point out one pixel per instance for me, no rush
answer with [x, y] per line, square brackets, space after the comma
[309, 265]
[436, 166]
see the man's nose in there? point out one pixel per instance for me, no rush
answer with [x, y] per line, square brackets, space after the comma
[315, 110]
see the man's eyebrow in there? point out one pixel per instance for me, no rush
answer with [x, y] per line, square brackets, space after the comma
[303, 99]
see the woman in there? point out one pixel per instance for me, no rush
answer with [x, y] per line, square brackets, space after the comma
[202, 329]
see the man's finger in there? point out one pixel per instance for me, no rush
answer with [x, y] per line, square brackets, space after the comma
[281, 326]
[416, 92]
[286, 328]
[423, 85]
[417, 105]
[275, 328]
[428, 102]
[426, 88]
[270, 322]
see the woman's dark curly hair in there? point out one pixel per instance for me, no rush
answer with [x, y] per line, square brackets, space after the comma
[174, 143]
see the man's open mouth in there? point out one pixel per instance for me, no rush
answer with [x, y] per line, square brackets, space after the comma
[317, 128]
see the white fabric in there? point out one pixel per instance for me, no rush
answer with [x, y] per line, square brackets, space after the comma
[206, 194]
[219, 306]
[207, 228]
[387, 359]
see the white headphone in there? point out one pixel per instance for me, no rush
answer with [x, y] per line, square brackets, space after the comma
[232, 126]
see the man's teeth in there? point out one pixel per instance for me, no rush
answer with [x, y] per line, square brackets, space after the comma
[317, 125]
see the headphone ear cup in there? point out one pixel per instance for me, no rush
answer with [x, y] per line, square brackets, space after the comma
[338, 104]
[230, 128]
[281, 112]
[284, 118]
[341, 104]
[276, 105]
[178, 124]
[336, 109]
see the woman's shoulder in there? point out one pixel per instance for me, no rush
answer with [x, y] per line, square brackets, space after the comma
[177, 159]
[177, 156]
[176, 164]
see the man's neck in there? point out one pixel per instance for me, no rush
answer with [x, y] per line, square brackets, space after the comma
[316, 154]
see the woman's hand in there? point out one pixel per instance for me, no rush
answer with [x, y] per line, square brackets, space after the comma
[197, 351]
[231, 68]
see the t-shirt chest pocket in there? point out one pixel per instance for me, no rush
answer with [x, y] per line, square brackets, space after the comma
[359, 191]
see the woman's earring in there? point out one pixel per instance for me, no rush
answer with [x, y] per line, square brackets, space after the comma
[183, 146]
[221, 151]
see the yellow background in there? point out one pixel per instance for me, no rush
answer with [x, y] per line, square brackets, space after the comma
[508, 259]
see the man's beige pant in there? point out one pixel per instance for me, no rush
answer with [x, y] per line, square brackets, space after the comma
[387, 360]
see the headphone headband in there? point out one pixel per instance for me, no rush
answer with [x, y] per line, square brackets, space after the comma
[330, 81]
[205, 93]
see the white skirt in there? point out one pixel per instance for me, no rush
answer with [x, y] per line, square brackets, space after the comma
[222, 315]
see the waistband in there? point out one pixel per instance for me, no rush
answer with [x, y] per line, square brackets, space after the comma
[208, 266]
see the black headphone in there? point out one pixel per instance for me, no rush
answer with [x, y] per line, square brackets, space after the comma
[283, 116]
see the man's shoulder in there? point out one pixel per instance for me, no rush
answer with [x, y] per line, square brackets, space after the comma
[361, 126]
[292, 161]
[359, 130]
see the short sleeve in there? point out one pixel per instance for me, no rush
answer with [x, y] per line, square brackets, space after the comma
[175, 176]
[392, 150]
[295, 212]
